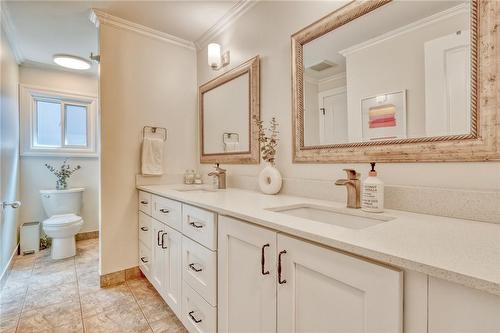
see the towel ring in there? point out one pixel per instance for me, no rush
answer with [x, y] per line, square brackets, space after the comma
[153, 129]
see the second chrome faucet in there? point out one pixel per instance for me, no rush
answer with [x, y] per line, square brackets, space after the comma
[353, 186]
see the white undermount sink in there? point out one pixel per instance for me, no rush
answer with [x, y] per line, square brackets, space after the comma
[345, 218]
[195, 189]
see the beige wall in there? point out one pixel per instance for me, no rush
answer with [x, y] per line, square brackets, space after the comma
[144, 81]
[245, 38]
[34, 174]
[9, 150]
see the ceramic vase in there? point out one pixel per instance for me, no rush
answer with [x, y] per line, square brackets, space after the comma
[270, 179]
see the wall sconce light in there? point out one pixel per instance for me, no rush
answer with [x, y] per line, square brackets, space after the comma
[216, 60]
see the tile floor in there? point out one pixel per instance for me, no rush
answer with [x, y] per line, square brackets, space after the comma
[44, 296]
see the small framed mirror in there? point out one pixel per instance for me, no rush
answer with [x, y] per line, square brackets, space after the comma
[228, 105]
[397, 81]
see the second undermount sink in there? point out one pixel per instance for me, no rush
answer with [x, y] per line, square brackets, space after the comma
[339, 217]
[195, 189]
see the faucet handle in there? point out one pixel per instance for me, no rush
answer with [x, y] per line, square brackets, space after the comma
[352, 174]
[219, 169]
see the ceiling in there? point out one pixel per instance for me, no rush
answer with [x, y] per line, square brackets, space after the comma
[40, 29]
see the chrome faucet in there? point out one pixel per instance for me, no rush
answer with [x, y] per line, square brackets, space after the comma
[353, 186]
[221, 176]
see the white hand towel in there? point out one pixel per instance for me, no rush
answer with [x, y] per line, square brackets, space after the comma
[231, 146]
[152, 156]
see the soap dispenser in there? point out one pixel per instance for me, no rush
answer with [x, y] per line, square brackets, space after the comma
[372, 199]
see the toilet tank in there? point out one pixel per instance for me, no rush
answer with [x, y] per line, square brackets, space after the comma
[57, 202]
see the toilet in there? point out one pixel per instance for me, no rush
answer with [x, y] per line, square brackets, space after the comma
[62, 208]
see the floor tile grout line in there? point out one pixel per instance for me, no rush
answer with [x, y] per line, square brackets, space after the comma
[139, 305]
[78, 293]
[25, 295]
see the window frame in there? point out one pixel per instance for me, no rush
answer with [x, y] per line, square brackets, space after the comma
[29, 96]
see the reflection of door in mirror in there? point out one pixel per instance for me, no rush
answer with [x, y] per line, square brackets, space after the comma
[447, 97]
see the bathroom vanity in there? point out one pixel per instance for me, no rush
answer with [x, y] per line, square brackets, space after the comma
[235, 260]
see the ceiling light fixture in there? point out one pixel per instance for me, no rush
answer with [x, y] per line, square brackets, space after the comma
[70, 61]
[216, 60]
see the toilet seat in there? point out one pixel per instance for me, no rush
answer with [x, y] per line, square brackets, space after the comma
[62, 220]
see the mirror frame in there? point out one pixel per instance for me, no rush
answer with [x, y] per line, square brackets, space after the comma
[252, 156]
[483, 142]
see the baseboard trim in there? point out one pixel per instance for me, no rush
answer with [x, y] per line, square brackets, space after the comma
[87, 235]
[8, 267]
[115, 278]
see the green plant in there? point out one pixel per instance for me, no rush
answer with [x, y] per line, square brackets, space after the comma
[63, 173]
[268, 139]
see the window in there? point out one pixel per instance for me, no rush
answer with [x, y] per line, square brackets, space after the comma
[57, 123]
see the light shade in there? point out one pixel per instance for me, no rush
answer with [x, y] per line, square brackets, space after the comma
[214, 55]
[73, 62]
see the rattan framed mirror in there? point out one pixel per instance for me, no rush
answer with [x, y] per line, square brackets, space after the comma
[389, 96]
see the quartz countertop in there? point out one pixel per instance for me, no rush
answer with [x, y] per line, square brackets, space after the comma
[462, 251]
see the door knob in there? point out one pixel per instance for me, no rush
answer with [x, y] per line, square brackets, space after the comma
[13, 204]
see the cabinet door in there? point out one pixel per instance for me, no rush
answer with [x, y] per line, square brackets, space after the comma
[246, 288]
[454, 308]
[171, 245]
[321, 290]
[157, 266]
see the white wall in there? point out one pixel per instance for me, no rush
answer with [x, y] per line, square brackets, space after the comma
[35, 176]
[311, 113]
[246, 38]
[9, 150]
[143, 81]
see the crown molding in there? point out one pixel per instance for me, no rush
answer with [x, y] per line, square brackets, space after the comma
[99, 17]
[450, 12]
[240, 8]
[9, 30]
[56, 68]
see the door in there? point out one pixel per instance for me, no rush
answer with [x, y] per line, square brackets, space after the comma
[9, 155]
[171, 241]
[320, 290]
[447, 95]
[246, 277]
[157, 260]
[333, 116]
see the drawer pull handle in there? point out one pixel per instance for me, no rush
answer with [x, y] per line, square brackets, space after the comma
[193, 267]
[280, 281]
[144, 202]
[263, 260]
[194, 318]
[158, 237]
[144, 229]
[163, 241]
[143, 259]
[164, 211]
[196, 225]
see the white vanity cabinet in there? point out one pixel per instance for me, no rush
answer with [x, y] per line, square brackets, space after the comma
[321, 290]
[270, 281]
[177, 254]
[247, 277]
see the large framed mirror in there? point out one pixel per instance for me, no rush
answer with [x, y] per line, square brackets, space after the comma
[228, 105]
[398, 81]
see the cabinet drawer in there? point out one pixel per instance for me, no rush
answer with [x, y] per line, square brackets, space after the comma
[197, 315]
[199, 266]
[145, 202]
[145, 260]
[168, 211]
[200, 225]
[145, 229]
